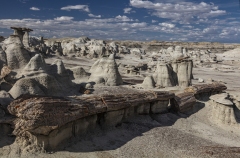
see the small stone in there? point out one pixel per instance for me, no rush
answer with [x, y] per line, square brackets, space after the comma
[88, 85]
[200, 80]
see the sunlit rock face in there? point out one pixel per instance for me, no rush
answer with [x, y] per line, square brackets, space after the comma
[17, 56]
[105, 71]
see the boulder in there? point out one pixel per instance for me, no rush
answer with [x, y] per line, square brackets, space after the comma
[200, 80]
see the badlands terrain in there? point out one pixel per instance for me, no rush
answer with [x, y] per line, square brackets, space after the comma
[82, 97]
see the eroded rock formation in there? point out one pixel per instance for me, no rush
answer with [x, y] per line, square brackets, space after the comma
[42, 80]
[46, 122]
[177, 73]
[105, 71]
[222, 109]
[16, 55]
[23, 34]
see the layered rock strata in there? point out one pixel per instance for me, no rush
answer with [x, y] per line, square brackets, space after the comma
[47, 122]
[51, 120]
[222, 109]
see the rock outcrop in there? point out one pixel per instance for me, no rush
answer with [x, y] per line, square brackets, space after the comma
[23, 34]
[105, 71]
[48, 121]
[16, 55]
[184, 102]
[177, 73]
[182, 73]
[38, 79]
[222, 109]
[163, 75]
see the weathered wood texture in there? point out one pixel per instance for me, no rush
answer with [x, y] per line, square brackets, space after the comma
[41, 114]
[206, 88]
[183, 102]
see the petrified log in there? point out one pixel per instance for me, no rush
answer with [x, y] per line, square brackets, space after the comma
[184, 101]
[41, 114]
[206, 88]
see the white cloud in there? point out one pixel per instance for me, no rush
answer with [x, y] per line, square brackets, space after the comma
[64, 18]
[118, 18]
[66, 26]
[34, 8]
[154, 21]
[123, 18]
[128, 10]
[212, 13]
[168, 25]
[181, 11]
[123, 27]
[94, 16]
[76, 7]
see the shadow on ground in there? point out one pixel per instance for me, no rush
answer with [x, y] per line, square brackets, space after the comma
[115, 137]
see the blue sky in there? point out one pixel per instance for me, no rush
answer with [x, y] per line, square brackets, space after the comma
[164, 20]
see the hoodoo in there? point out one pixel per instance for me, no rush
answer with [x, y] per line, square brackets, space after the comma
[23, 34]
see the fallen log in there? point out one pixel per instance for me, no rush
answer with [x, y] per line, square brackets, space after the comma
[206, 88]
[183, 102]
[41, 114]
